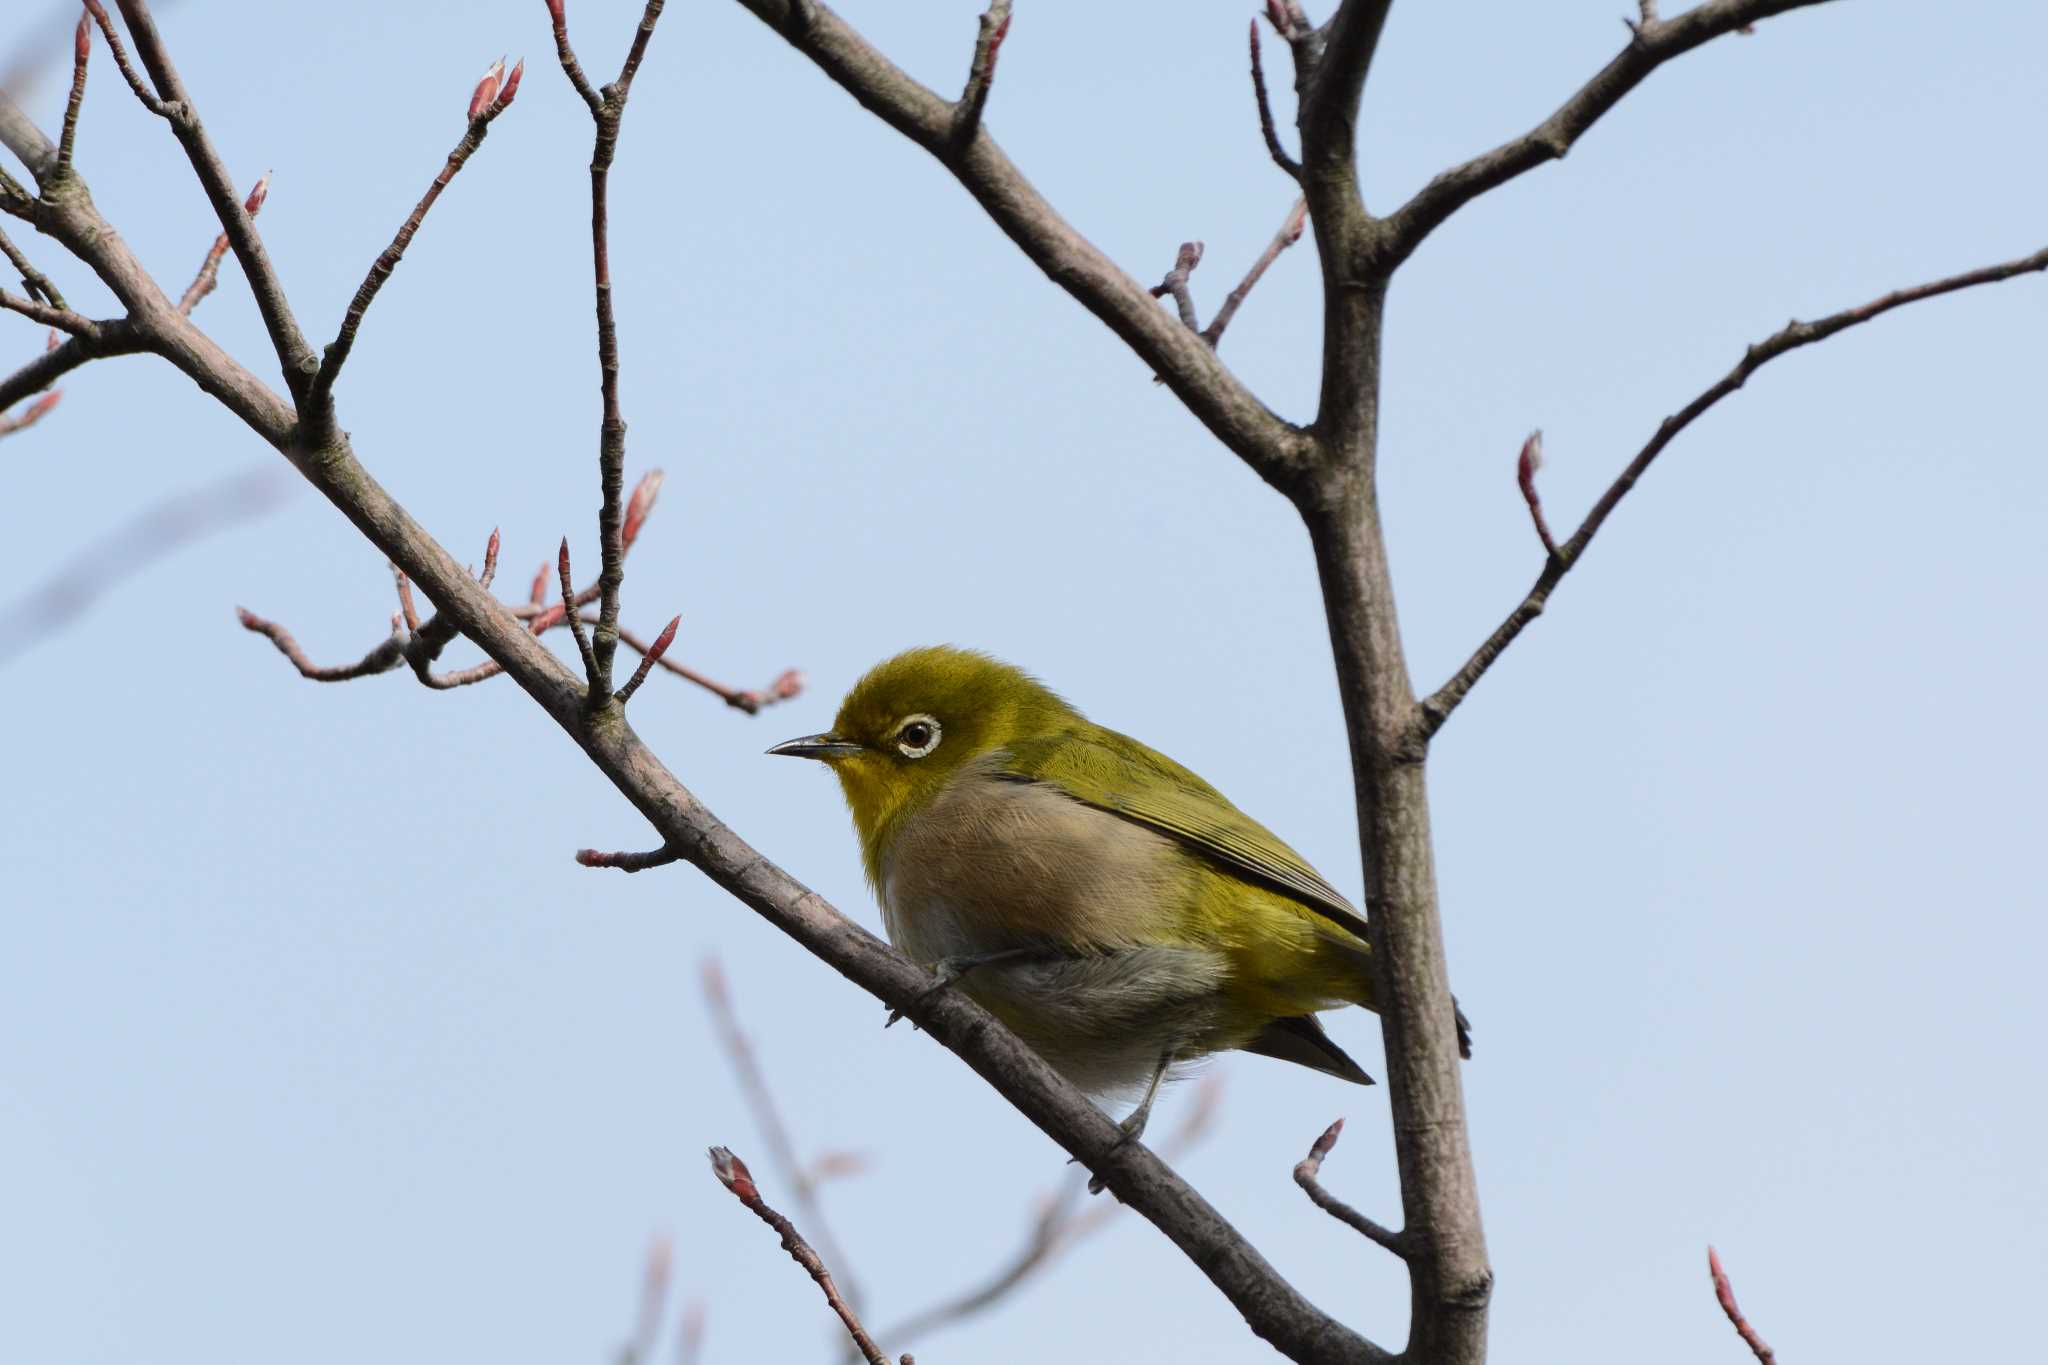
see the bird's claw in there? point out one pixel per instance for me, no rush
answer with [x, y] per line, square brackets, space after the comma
[945, 972]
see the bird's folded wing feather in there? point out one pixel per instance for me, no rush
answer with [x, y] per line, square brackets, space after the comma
[1116, 773]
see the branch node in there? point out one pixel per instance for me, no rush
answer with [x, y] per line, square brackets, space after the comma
[628, 862]
[993, 27]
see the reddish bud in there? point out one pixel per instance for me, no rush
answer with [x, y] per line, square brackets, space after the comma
[639, 505]
[1327, 1141]
[787, 685]
[1276, 15]
[486, 90]
[82, 41]
[511, 84]
[555, 12]
[733, 1173]
[253, 205]
[665, 639]
[51, 344]
[1531, 458]
[539, 593]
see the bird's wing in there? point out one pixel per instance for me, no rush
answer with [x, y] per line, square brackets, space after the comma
[1117, 774]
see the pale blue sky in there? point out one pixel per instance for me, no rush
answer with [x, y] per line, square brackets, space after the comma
[320, 1046]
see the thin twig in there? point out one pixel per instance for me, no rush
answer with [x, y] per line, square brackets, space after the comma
[768, 1118]
[648, 659]
[1305, 1172]
[150, 102]
[81, 53]
[607, 110]
[733, 1174]
[991, 29]
[1651, 44]
[1064, 1218]
[1433, 711]
[487, 101]
[628, 862]
[295, 356]
[1725, 1292]
[385, 657]
[63, 319]
[209, 269]
[575, 620]
[1287, 236]
[1176, 283]
[654, 1277]
[33, 281]
[1266, 128]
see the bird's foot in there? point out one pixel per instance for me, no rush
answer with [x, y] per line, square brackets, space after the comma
[1129, 1131]
[948, 970]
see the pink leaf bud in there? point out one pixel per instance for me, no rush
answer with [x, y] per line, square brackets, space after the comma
[486, 90]
[82, 41]
[733, 1173]
[253, 205]
[1531, 458]
[555, 12]
[511, 84]
[639, 505]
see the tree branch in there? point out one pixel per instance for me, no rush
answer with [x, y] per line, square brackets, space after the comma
[294, 356]
[1436, 709]
[487, 101]
[733, 1174]
[1725, 1292]
[1266, 128]
[1275, 449]
[1652, 43]
[1309, 1167]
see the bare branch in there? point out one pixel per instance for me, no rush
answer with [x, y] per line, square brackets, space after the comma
[487, 101]
[1725, 1292]
[120, 51]
[385, 657]
[81, 54]
[607, 110]
[209, 269]
[1305, 1173]
[733, 1174]
[1266, 128]
[34, 282]
[760, 1099]
[1436, 709]
[1276, 450]
[628, 862]
[294, 355]
[576, 623]
[63, 319]
[1338, 57]
[1289, 233]
[654, 1277]
[113, 337]
[993, 27]
[1652, 43]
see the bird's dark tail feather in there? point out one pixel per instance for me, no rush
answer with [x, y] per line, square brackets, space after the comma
[1301, 1040]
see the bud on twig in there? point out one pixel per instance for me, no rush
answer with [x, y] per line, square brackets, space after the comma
[253, 205]
[486, 91]
[511, 84]
[639, 505]
[1526, 465]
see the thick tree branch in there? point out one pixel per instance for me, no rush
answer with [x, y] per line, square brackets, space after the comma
[1437, 708]
[1652, 43]
[1342, 51]
[1276, 450]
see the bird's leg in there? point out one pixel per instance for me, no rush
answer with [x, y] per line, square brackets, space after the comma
[947, 970]
[1134, 1123]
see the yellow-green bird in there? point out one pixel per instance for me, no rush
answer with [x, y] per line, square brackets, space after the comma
[1109, 906]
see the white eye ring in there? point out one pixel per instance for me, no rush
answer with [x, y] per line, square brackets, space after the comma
[903, 727]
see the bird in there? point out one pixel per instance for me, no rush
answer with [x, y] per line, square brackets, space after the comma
[1111, 908]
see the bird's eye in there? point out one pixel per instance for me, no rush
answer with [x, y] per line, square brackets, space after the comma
[917, 736]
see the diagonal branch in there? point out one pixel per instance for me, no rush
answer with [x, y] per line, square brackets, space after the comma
[1266, 128]
[994, 26]
[1652, 43]
[1432, 712]
[486, 103]
[294, 355]
[733, 1174]
[1724, 1292]
[1276, 450]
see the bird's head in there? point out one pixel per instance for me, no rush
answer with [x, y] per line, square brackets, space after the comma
[915, 720]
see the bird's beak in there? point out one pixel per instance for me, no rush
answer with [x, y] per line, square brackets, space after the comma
[826, 746]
